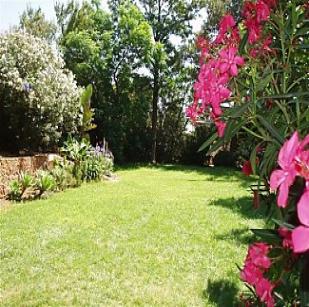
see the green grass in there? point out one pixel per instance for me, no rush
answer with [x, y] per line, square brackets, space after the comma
[165, 236]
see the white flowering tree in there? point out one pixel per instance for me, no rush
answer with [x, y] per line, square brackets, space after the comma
[39, 99]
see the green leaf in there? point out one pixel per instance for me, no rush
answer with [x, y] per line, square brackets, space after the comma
[264, 82]
[86, 96]
[217, 145]
[272, 130]
[239, 110]
[267, 235]
[289, 95]
[283, 224]
[243, 42]
[208, 142]
[253, 159]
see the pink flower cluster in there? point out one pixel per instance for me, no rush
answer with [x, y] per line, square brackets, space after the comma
[255, 15]
[211, 88]
[293, 160]
[256, 264]
[219, 67]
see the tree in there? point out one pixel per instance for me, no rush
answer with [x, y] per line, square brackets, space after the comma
[107, 50]
[40, 101]
[167, 18]
[34, 22]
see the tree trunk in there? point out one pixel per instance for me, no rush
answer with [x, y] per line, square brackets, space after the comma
[154, 120]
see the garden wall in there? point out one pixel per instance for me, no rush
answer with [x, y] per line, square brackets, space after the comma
[11, 167]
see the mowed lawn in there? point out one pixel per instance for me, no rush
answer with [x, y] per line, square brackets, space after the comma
[160, 236]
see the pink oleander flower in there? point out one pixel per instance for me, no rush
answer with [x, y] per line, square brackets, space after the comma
[286, 235]
[270, 3]
[251, 274]
[266, 45]
[262, 11]
[264, 290]
[302, 159]
[229, 61]
[226, 24]
[262, 50]
[204, 45]
[255, 14]
[300, 235]
[257, 254]
[254, 29]
[191, 112]
[257, 262]
[249, 10]
[283, 178]
[221, 125]
[303, 207]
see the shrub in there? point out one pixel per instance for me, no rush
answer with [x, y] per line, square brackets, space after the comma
[39, 99]
[254, 81]
[15, 190]
[89, 163]
[18, 187]
[44, 182]
[26, 181]
[76, 152]
[96, 165]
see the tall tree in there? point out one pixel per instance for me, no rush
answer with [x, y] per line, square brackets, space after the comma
[35, 23]
[107, 49]
[168, 19]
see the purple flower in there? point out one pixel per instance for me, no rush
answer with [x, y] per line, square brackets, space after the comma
[27, 87]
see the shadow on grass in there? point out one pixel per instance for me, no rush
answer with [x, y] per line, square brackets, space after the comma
[222, 293]
[243, 236]
[217, 173]
[242, 206]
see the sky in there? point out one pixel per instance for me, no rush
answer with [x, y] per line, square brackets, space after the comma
[10, 11]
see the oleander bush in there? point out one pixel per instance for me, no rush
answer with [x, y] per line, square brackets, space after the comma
[253, 82]
[39, 98]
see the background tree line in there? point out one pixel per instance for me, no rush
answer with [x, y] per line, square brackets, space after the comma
[140, 58]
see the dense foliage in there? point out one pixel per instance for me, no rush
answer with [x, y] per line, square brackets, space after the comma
[253, 82]
[39, 99]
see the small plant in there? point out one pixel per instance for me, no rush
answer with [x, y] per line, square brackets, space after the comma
[44, 182]
[26, 182]
[59, 173]
[97, 164]
[18, 187]
[15, 193]
[76, 152]
[88, 163]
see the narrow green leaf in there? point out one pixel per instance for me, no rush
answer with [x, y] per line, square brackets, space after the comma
[242, 45]
[283, 224]
[253, 160]
[288, 95]
[216, 146]
[208, 142]
[268, 235]
[264, 82]
[239, 111]
[272, 130]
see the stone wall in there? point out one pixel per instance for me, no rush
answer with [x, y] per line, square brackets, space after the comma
[10, 168]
